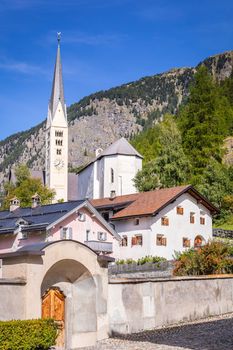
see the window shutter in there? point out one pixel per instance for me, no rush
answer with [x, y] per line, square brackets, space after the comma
[134, 240]
[61, 233]
[70, 233]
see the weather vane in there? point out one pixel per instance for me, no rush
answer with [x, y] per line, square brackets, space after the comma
[58, 37]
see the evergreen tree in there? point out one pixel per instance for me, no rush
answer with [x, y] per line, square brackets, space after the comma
[171, 167]
[205, 121]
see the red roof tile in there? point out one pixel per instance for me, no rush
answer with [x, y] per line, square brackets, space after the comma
[148, 203]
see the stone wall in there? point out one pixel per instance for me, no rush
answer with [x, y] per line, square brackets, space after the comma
[12, 305]
[135, 305]
[147, 270]
[221, 233]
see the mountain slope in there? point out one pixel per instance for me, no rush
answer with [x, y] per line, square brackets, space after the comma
[101, 118]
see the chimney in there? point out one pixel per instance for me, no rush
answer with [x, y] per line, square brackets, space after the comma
[14, 204]
[98, 152]
[35, 200]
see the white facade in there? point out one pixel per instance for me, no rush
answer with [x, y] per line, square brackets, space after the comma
[179, 228]
[109, 175]
[57, 154]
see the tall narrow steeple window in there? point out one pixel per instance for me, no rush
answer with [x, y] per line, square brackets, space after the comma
[112, 175]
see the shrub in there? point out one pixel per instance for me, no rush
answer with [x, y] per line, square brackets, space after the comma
[27, 334]
[141, 261]
[213, 258]
[150, 259]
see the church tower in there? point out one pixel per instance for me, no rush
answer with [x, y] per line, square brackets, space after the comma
[57, 135]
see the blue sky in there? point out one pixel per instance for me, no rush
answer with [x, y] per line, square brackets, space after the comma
[104, 43]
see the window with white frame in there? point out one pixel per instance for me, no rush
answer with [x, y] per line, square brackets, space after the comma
[186, 242]
[66, 233]
[161, 240]
[136, 240]
[102, 236]
[179, 210]
[124, 241]
[165, 221]
[87, 235]
[192, 218]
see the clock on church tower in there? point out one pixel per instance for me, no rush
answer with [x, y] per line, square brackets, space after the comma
[57, 136]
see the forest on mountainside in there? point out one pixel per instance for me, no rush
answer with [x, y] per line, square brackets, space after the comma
[188, 148]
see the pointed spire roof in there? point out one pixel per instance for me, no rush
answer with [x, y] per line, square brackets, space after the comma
[57, 88]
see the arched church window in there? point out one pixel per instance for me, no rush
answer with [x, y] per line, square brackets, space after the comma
[112, 175]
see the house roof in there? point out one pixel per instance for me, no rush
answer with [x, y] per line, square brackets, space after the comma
[121, 146]
[41, 216]
[46, 216]
[148, 203]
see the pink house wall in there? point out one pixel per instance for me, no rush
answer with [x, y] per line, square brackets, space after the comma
[79, 228]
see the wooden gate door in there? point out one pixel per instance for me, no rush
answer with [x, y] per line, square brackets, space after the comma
[53, 306]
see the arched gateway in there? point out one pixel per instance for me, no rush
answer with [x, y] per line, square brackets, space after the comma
[67, 281]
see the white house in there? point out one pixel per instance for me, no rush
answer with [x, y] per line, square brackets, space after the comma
[159, 222]
[111, 173]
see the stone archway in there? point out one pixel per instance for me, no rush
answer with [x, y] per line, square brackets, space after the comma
[79, 273]
[77, 284]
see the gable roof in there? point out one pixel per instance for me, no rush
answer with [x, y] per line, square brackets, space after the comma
[46, 216]
[148, 203]
[121, 146]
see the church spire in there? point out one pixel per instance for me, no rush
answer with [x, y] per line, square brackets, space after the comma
[57, 89]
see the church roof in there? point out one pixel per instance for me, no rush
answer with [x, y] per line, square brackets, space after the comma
[121, 146]
[57, 88]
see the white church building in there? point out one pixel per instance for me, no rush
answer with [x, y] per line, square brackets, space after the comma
[111, 173]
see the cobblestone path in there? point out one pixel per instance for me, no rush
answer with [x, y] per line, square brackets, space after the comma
[215, 333]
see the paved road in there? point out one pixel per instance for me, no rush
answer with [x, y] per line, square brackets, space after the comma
[210, 334]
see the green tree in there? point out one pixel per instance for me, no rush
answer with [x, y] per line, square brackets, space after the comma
[25, 188]
[171, 167]
[205, 121]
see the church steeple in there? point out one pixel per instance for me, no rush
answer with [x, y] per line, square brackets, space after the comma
[57, 88]
[57, 135]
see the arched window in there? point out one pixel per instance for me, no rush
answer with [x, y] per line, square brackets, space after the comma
[199, 241]
[112, 175]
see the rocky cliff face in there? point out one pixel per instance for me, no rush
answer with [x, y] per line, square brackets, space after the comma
[101, 118]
